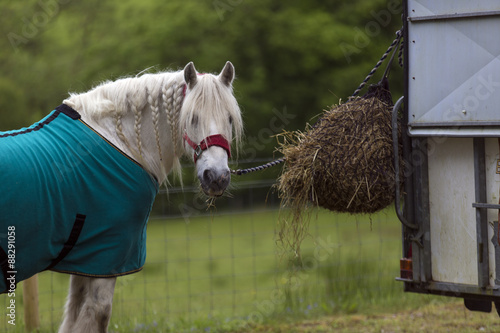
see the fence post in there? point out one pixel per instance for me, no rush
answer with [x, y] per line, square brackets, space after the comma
[30, 299]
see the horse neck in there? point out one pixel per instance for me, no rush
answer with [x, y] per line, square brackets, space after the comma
[141, 118]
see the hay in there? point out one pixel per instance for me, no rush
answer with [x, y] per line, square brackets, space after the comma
[343, 163]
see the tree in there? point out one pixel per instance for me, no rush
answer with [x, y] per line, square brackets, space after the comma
[293, 59]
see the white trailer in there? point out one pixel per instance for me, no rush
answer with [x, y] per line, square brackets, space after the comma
[451, 141]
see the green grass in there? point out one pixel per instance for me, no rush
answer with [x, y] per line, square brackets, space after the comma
[222, 274]
[435, 317]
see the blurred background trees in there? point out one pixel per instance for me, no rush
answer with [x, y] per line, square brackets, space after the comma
[293, 58]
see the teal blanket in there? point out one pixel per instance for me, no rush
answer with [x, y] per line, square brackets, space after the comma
[71, 202]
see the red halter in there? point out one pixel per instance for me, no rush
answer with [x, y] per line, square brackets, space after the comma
[212, 140]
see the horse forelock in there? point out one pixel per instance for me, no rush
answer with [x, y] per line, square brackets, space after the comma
[210, 101]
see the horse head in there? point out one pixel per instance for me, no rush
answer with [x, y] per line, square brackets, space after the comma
[210, 115]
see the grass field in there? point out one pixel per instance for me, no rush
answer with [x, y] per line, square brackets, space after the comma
[223, 274]
[436, 317]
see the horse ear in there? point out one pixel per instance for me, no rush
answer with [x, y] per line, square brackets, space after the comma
[227, 74]
[190, 75]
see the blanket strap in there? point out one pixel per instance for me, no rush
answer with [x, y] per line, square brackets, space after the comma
[70, 243]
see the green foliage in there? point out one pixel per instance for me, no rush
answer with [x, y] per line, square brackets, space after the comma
[302, 56]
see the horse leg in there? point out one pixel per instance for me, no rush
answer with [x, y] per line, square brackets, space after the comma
[88, 307]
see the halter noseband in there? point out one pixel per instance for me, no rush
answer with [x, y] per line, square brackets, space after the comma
[212, 140]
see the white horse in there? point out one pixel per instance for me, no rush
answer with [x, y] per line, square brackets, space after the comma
[156, 118]
[153, 119]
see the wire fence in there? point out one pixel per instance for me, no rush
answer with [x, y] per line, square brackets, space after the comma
[222, 268]
[246, 193]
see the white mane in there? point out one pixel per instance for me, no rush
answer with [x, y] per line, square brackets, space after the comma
[146, 116]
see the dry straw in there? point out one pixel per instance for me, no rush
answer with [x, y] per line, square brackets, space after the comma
[343, 163]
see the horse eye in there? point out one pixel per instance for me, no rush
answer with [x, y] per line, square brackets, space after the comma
[230, 120]
[194, 121]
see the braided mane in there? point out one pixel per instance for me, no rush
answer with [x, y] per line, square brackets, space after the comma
[150, 110]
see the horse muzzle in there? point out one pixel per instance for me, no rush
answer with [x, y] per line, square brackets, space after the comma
[214, 182]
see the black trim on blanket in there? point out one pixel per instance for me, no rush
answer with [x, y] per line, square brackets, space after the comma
[64, 109]
[70, 243]
[99, 275]
[31, 129]
[4, 264]
[69, 111]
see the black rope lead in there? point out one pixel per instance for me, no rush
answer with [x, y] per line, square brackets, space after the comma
[240, 172]
[399, 35]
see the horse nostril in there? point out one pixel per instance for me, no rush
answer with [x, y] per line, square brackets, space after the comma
[214, 182]
[208, 176]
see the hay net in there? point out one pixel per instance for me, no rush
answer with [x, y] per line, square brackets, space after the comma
[344, 162]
